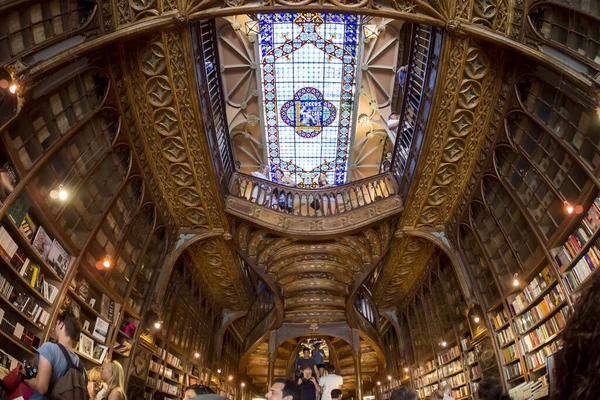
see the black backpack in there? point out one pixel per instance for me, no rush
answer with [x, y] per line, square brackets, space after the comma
[73, 384]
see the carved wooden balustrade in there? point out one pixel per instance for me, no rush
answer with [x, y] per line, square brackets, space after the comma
[259, 310]
[367, 307]
[312, 202]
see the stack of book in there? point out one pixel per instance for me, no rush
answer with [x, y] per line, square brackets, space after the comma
[535, 287]
[587, 228]
[541, 310]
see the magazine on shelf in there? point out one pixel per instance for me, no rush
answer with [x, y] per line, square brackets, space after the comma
[42, 242]
[100, 329]
[100, 353]
[59, 259]
[8, 179]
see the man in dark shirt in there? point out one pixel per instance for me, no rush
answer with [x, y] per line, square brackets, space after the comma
[308, 362]
[308, 385]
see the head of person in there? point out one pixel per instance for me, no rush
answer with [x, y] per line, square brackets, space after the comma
[394, 116]
[336, 394]
[306, 372]
[265, 169]
[67, 325]
[95, 374]
[404, 393]
[283, 389]
[447, 390]
[322, 182]
[318, 344]
[278, 174]
[196, 390]
[306, 352]
[491, 389]
[437, 395]
[112, 374]
[577, 364]
[330, 368]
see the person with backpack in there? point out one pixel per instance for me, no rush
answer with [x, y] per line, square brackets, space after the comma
[60, 374]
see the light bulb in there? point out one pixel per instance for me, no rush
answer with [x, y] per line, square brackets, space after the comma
[230, 378]
[570, 209]
[389, 378]
[444, 344]
[62, 194]
[13, 88]
[476, 319]
[242, 384]
[378, 383]
[405, 369]
[515, 281]
[219, 371]
[197, 355]
[157, 324]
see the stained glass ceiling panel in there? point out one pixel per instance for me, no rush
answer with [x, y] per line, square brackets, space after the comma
[308, 81]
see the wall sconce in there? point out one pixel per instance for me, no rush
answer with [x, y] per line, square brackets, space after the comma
[443, 344]
[252, 28]
[60, 194]
[242, 384]
[197, 355]
[157, 324]
[370, 31]
[406, 369]
[476, 319]
[389, 378]
[104, 263]
[230, 377]
[219, 371]
[378, 383]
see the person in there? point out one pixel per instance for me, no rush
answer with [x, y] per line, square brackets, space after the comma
[402, 72]
[393, 122]
[386, 164]
[576, 375]
[437, 395]
[308, 385]
[319, 355]
[283, 389]
[94, 381]
[113, 378]
[307, 361]
[447, 392]
[330, 382]
[404, 393]
[281, 195]
[262, 173]
[491, 389]
[328, 202]
[336, 394]
[201, 392]
[51, 362]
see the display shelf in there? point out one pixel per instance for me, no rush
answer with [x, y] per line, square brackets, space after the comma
[24, 243]
[95, 339]
[86, 357]
[537, 299]
[87, 307]
[548, 340]
[15, 273]
[501, 327]
[515, 378]
[22, 314]
[539, 368]
[17, 342]
[451, 374]
[511, 361]
[545, 318]
[505, 345]
[583, 251]
[450, 360]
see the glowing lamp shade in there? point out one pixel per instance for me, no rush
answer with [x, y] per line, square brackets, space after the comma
[370, 31]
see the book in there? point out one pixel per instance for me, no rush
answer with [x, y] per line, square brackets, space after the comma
[82, 289]
[105, 307]
[59, 259]
[100, 329]
[42, 242]
[8, 180]
[19, 208]
[27, 227]
[86, 345]
[100, 353]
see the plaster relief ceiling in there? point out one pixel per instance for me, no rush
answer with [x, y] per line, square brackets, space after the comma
[291, 91]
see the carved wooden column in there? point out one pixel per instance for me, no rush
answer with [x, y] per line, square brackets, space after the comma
[356, 354]
[272, 357]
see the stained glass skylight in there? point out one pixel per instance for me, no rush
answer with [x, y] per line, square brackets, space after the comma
[308, 73]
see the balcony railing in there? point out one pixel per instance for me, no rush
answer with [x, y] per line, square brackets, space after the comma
[212, 102]
[312, 202]
[367, 307]
[422, 72]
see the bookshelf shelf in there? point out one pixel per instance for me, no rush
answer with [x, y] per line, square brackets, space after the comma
[545, 318]
[86, 306]
[95, 339]
[451, 374]
[17, 342]
[544, 343]
[511, 361]
[450, 360]
[24, 243]
[583, 251]
[541, 367]
[24, 282]
[85, 357]
[538, 298]
[132, 313]
[515, 378]
[458, 386]
[505, 345]
[501, 327]
[22, 314]
[124, 335]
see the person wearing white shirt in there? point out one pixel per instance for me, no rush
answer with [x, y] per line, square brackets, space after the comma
[448, 393]
[330, 382]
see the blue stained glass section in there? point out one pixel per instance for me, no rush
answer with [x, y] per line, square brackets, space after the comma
[309, 76]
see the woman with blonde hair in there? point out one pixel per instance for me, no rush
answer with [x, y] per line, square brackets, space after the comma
[113, 377]
[94, 380]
